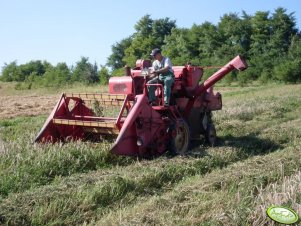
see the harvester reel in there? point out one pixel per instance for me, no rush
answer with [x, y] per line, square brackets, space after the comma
[180, 140]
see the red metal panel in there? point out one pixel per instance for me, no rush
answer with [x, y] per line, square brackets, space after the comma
[180, 71]
[213, 100]
[236, 63]
[193, 77]
[145, 124]
[126, 142]
[143, 64]
[48, 130]
[121, 85]
[52, 133]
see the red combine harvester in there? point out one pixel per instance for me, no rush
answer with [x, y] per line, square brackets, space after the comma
[141, 129]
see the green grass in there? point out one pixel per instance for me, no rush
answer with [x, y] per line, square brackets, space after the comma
[24, 165]
[79, 183]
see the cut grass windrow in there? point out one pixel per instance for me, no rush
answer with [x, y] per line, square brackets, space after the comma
[286, 192]
[105, 190]
[223, 197]
[88, 200]
[39, 166]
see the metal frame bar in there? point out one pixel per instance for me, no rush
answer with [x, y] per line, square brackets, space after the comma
[121, 112]
[72, 122]
[97, 96]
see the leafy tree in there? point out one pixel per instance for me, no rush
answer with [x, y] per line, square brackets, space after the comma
[209, 42]
[283, 28]
[261, 30]
[104, 75]
[115, 60]
[47, 66]
[85, 71]
[176, 46]
[294, 51]
[140, 48]
[13, 72]
[57, 76]
[10, 72]
[63, 71]
[259, 52]
[289, 70]
[160, 29]
[149, 34]
[144, 26]
[235, 32]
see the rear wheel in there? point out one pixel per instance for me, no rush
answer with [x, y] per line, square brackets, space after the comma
[208, 128]
[180, 138]
[210, 134]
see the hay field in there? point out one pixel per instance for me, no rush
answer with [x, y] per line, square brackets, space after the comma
[255, 164]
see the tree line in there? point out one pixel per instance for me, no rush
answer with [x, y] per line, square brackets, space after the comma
[270, 42]
[44, 74]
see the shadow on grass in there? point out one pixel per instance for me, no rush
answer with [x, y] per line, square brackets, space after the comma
[250, 144]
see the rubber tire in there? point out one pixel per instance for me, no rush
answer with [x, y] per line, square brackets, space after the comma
[180, 143]
[210, 135]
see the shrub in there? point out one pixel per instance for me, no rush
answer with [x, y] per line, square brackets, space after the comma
[288, 71]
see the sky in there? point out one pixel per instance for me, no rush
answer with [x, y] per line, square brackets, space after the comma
[66, 30]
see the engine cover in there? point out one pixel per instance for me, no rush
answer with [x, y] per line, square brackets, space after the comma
[121, 85]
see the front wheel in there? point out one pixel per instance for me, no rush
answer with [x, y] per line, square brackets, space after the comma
[180, 138]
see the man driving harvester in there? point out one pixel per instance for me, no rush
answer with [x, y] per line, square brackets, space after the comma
[162, 72]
